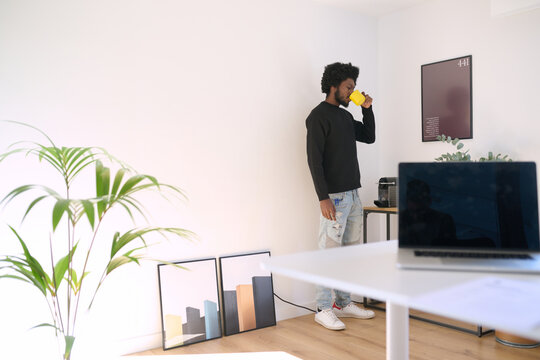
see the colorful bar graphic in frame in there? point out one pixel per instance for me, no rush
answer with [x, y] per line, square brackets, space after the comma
[189, 302]
[247, 293]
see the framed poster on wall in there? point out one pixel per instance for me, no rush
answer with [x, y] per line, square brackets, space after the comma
[447, 99]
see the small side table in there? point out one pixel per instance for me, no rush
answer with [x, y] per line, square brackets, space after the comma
[378, 210]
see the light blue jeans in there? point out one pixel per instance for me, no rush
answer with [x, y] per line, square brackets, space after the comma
[346, 230]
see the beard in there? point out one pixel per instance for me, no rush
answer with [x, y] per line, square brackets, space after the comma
[342, 101]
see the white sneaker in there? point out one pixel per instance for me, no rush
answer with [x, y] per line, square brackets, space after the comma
[328, 319]
[352, 311]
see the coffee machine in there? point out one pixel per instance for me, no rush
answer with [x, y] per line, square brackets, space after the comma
[387, 192]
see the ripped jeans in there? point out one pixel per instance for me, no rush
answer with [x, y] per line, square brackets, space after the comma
[346, 230]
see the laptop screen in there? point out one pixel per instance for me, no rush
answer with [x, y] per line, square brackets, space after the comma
[468, 205]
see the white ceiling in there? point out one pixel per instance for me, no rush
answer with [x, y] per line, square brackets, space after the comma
[373, 7]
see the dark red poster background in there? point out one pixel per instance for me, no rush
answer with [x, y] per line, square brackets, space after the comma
[447, 99]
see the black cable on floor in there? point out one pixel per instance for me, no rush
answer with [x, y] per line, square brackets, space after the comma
[290, 303]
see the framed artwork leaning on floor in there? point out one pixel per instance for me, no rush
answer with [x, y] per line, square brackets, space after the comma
[189, 298]
[247, 293]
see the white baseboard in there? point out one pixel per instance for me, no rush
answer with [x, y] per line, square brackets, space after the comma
[139, 343]
[152, 341]
[286, 311]
[501, 8]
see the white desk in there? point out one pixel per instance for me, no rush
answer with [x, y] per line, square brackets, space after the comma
[370, 270]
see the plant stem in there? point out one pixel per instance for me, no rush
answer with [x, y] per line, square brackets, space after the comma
[54, 297]
[78, 297]
[70, 263]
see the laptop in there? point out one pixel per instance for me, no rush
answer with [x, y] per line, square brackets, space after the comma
[470, 216]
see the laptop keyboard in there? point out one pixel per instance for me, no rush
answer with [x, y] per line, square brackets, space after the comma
[453, 254]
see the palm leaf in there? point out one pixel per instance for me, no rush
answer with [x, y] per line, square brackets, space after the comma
[81, 165]
[22, 189]
[174, 189]
[117, 181]
[8, 276]
[77, 159]
[73, 154]
[130, 203]
[130, 183]
[119, 261]
[130, 187]
[62, 266]
[127, 208]
[105, 181]
[50, 154]
[122, 194]
[36, 274]
[141, 187]
[116, 236]
[45, 325]
[176, 265]
[102, 187]
[74, 282]
[120, 241]
[89, 211]
[11, 152]
[153, 180]
[61, 206]
[30, 126]
[22, 268]
[33, 203]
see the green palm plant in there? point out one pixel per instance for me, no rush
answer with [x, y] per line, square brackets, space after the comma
[112, 190]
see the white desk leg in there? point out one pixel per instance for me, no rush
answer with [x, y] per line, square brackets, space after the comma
[397, 332]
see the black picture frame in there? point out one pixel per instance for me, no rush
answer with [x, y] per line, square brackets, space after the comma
[189, 302]
[247, 292]
[447, 99]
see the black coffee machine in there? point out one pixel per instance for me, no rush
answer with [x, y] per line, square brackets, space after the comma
[387, 192]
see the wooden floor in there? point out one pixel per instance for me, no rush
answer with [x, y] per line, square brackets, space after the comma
[362, 340]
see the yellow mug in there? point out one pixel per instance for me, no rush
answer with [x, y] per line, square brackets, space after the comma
[357, 97]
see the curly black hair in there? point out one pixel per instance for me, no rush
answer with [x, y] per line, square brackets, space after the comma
[334, 74]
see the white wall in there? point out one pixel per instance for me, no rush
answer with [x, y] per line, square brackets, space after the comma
[506, 74]
[210, 96]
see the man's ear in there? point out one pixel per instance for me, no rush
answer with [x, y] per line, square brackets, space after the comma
[332, 91]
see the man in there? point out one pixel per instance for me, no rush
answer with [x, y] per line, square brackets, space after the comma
[332, 134]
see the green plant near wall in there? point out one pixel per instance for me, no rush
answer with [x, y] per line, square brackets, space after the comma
[463, 155]
[61, 278]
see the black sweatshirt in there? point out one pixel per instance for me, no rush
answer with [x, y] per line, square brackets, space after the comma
[332, 134]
